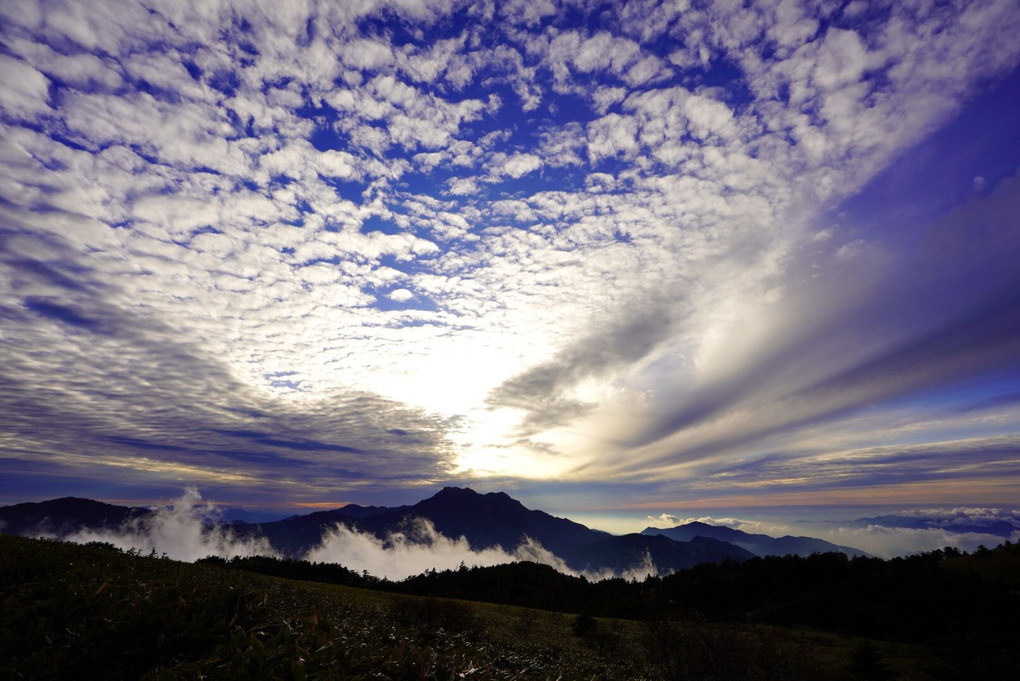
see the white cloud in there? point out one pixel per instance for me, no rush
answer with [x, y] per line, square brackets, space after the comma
[612, 135]
[519, 165]
[665, 520]
[197, 197]
[647, 70]
[528, 12]
[401, 295]
[840, 60]
[25, 90]
[179, 531]
[463, 186]
[604, 52]
[367, 54]
[708, 117]
[889, 542]
[419, 548]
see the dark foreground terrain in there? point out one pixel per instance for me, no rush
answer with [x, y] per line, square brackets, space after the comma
[90, 612]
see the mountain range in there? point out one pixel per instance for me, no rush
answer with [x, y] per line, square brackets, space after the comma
[483, 520]
[756, 544]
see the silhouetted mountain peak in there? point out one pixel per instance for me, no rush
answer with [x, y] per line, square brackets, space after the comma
[452, 495]
[65, 515]
[451, 491]
[70, 504]
[466, 499]
[486, 520]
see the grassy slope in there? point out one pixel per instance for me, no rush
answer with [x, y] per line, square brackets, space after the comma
[70, 611]
[84, 612]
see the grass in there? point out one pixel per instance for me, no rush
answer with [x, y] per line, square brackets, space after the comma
[89, 612]
[93, 612]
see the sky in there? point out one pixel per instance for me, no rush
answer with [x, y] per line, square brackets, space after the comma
[616, 259]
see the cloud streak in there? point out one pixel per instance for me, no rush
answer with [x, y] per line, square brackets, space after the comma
[318, 247]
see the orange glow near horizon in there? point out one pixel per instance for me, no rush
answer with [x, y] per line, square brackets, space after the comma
[320, 505]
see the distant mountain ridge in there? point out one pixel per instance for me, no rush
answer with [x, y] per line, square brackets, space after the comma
[356, 511]
[483, 520]
[65, 516]
[757, 544]
[631, 553]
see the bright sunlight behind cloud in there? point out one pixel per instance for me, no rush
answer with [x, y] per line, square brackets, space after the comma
[302, 249]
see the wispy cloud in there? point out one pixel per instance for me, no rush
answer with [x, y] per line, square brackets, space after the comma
[647, 244]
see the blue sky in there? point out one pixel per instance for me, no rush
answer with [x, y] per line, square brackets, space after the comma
[609, 257]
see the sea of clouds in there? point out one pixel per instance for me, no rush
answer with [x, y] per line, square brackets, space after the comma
[896, 534]
[190, 528]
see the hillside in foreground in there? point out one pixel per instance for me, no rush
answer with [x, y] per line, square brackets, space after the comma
[89, 611]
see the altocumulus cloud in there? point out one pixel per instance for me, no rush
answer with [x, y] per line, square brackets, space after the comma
[127, 397]
[330, 245]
